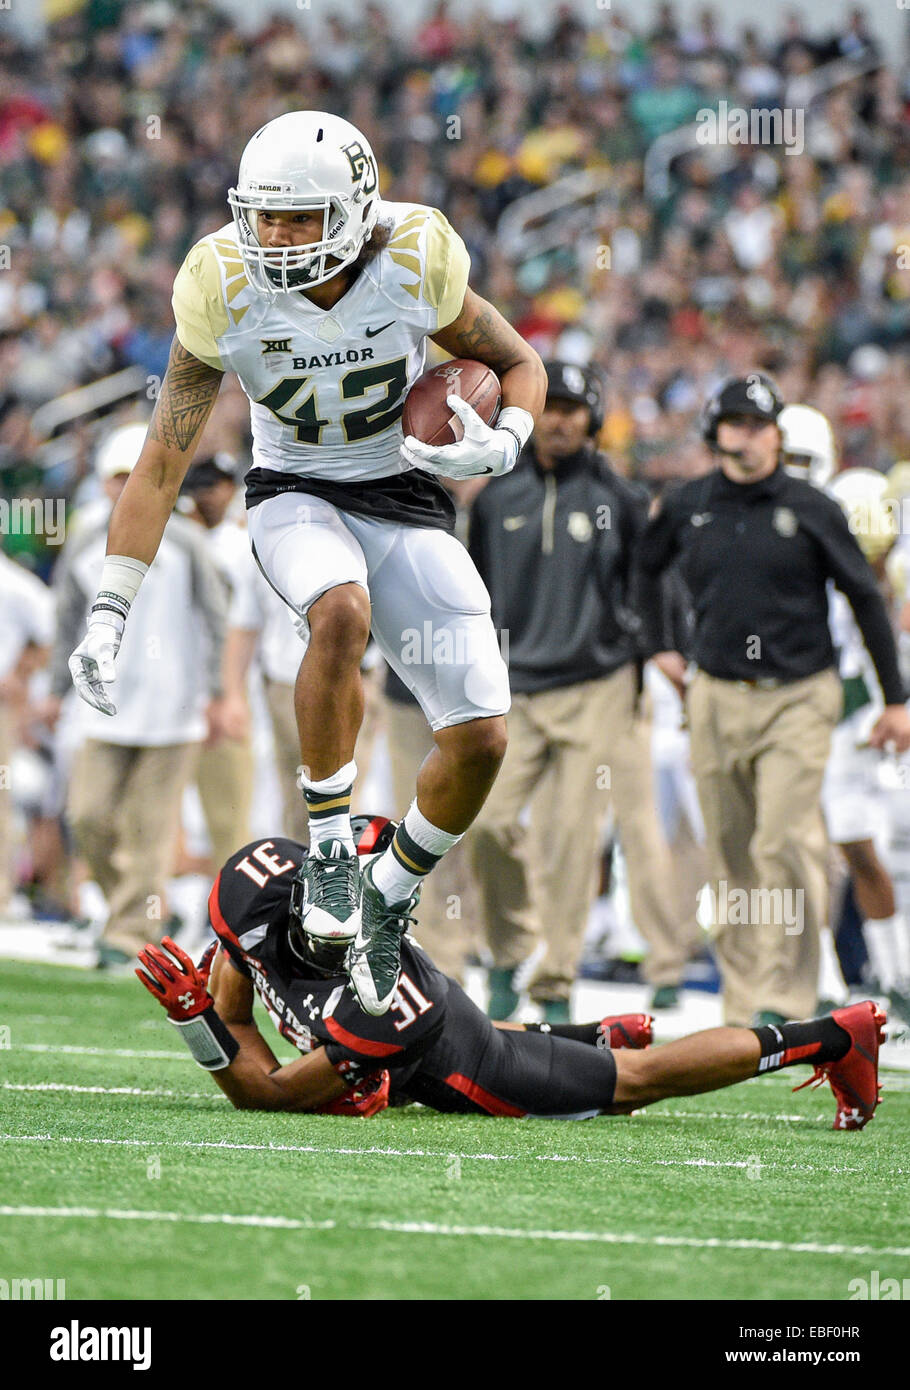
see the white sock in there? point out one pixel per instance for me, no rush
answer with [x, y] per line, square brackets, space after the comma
[417, 847]
[329, 806]
[880, 935]
[902, 947]
[831, 983]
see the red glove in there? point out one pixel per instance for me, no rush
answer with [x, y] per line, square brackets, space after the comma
[366, 1098]
[172, 978]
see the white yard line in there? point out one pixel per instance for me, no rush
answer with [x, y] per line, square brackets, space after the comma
[70, 1049]
[109, 1090]
[650, 1113]
[432, 1228]
[375, 1151]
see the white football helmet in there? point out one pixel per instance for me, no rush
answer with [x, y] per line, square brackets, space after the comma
[808, 445]
[305, 161]
[863, 495]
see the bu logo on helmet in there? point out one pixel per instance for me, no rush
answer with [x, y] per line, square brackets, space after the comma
[363, 167]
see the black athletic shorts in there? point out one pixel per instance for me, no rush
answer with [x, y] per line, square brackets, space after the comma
[481, 1070]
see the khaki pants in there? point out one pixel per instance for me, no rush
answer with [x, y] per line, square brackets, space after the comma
[759, 757]
[124, 810]
[448, 896]
[6, 810]
[224, 776]
[572, 753]
[280, 699]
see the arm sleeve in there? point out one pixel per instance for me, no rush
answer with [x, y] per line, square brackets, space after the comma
[853, 576]
[200, 314]
[446, 270]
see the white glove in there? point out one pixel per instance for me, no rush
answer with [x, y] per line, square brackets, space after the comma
[482, 450]
[92, 663]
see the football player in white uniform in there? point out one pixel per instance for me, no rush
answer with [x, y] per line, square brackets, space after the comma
[854, 795]
[321, 296]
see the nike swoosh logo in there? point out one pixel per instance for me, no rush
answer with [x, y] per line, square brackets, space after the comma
[373, 332]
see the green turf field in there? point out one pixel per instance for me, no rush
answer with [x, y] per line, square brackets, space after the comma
[125, 1173]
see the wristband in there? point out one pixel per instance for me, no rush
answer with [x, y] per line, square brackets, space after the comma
[210, 1041]
[518, 422]
[116, 608]
[510, 462]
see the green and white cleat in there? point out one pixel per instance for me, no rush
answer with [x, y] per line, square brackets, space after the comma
[374, 957]
[327, 891]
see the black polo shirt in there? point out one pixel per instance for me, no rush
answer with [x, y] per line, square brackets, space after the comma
[756, 558]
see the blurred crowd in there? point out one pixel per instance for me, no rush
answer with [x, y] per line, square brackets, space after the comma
[121, 132]
[666, 264]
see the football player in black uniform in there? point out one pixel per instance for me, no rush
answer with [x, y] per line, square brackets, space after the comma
[434, 1045]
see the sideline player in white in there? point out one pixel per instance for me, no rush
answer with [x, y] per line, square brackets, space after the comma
[854, 797]
[321, 296]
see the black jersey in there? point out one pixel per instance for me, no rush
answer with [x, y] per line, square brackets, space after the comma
[438, 1047]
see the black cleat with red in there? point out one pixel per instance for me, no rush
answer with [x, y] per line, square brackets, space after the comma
[854, 1078]
[626, 1030]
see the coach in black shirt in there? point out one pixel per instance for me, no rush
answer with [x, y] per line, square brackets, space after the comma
[757, 548]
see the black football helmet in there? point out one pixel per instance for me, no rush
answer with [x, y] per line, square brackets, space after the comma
[326, 956]
[755, 394]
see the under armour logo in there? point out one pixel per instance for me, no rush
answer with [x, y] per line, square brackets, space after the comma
[187, 1000]
[308, 1005]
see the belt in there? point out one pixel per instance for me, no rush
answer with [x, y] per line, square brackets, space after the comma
[763, 682]
[766, 683]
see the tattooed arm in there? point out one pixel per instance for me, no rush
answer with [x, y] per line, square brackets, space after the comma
[481, 332]
[187, 395]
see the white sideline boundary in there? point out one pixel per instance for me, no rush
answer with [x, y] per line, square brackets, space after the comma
[432, 1228]
[377, 1151]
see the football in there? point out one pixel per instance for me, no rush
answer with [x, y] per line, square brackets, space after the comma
[426, 415]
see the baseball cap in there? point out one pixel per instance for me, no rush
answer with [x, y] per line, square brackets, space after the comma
[214, 468]
[568, 382]
[119, 451]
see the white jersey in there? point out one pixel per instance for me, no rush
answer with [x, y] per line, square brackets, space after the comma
[327, 386]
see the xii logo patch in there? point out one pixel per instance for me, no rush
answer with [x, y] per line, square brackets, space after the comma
[275, 345]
